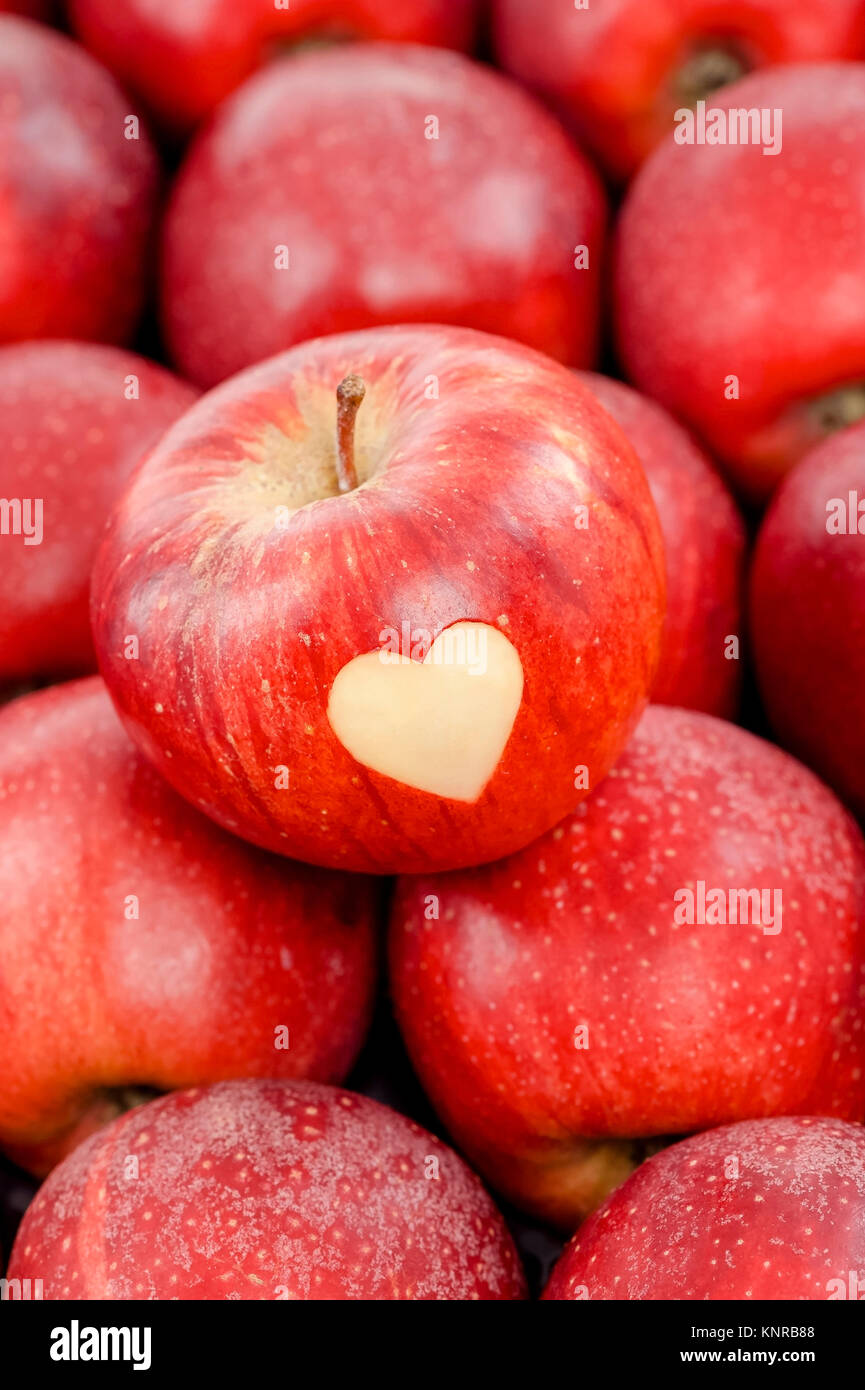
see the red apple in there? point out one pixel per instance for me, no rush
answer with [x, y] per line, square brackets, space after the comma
[184, 61]
[567, 1008]
[619, 70]
[265, 1190]
[378, 184]
[74, 420]
[808, 612]
[767, 1209]
[425, 671]
[704, 541]
[77, 193]
[142, 946]
[740, 280]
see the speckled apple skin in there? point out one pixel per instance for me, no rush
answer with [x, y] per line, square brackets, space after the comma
[807, 598]
[78, 198]
[611, 69]
[789, 1223]
[689, 1026]
[183, 65]
[69, 437]
[704, 544]
[467, 510]
[266, 1190]
[722, 270]
[229, 943]
[326, 154]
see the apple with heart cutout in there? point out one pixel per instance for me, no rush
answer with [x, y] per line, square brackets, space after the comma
[182, 62]
[617, 72]
[807, 606]
[265, 1190]
[704, 544]
[730, 309]
[74, 420]
[142, 947]
[391, 631]
[78, 194]
[766, 1209]
[686, 949]
[379, 184]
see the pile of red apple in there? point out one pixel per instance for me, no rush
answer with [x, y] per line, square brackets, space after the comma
[358, 620]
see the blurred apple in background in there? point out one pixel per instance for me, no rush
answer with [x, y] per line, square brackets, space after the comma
[78, 195]
[144, 948]
[423, 669]
[182, 60]
[30, 9]
[686, 949]
[379, 184]
[704, 544]
[75, 418]
[618, 70]
[740, 282]
[768, 1209]
[266, 1190]
[808, 612]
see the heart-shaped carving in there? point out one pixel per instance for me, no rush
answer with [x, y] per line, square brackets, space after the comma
[440, 725]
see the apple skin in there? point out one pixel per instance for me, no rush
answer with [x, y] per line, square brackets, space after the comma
[266, 1190]
[766, 1209]
[326, 154]
[230, 943]
[722, 271]
[182, 66]
[69, 437]
[704, 543]
[467, 511]
[614, 70]
[807, 605]
[689, 1026]
[78, 206]
[30, 9]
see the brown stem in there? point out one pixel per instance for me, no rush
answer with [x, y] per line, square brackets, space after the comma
[116, 1100]
[349, 394]
[706, 70]
[839, 408]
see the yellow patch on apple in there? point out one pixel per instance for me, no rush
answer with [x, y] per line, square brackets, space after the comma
[439, 725]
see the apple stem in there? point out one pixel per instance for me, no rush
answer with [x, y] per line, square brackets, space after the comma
[349, 394]
[706, 70]
[123, 1098]
[839, 408]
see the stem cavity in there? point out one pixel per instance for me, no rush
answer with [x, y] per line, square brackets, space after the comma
[706, 70]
